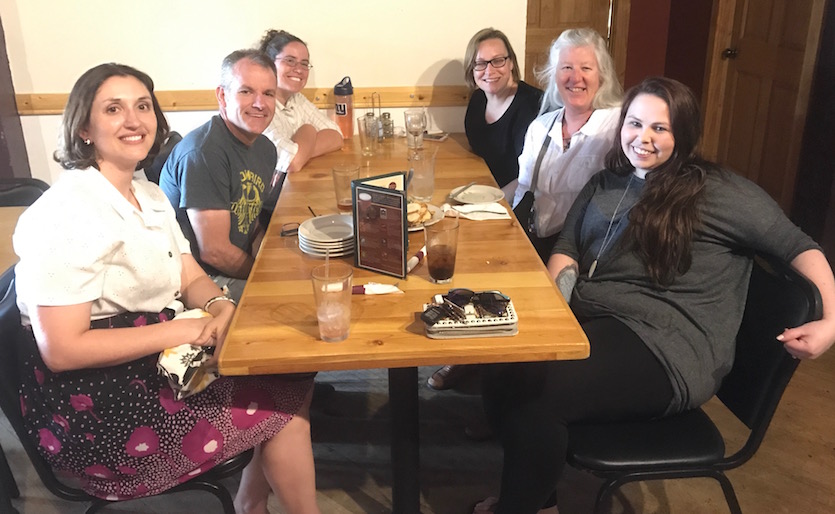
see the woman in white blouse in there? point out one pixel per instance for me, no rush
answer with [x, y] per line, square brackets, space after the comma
[299, 130]
[103, 270]
[577, 123]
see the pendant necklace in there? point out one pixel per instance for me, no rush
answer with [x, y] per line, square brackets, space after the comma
[606, 238]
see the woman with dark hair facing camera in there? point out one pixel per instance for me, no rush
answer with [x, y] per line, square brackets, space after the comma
[653, 248]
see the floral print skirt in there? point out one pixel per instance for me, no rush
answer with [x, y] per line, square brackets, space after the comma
[120, 431]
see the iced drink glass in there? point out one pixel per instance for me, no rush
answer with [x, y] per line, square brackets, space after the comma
[441, 247]
[332, 292]
[343, 174]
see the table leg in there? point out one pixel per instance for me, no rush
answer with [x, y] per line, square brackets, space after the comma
[405, 442]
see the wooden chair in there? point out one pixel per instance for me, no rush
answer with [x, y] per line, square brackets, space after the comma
[11, 333]
[689, 444]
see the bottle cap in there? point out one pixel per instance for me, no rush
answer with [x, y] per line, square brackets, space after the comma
[344, 87]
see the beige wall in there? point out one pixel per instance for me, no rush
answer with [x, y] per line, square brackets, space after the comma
[180, 43]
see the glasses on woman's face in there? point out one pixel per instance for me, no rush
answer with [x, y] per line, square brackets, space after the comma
[292, 62]
[497, 62]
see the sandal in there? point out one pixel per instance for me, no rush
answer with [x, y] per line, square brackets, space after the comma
[485, 506]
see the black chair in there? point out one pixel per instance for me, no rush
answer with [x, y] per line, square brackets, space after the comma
[11, 333]
[21, 192]
[689, 444]
[153, 170]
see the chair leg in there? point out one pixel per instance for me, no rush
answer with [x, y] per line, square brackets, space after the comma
[728, 489]
[220, 492]
[7, 480]
[96, 506]
[605, 492]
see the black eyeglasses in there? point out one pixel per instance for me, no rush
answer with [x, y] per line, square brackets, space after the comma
[492, 302]
[292, 62]
[497, 62]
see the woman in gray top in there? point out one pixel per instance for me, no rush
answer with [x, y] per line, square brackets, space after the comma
[655, 256]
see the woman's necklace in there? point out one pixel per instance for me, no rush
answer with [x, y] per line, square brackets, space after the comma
[607, 238]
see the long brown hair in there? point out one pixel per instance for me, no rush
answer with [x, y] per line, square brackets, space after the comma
[662, 223]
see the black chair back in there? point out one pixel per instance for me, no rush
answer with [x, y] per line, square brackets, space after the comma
[155, 168]
[21, 192]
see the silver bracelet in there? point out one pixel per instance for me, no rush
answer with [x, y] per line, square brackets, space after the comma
[218, 299]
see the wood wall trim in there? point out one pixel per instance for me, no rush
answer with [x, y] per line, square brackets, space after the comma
[32, 104]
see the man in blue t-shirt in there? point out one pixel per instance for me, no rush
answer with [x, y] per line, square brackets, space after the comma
[218, 176]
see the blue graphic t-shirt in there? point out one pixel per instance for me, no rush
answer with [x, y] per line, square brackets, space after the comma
[212, 169]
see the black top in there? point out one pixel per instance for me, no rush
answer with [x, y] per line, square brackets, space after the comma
[500, 143]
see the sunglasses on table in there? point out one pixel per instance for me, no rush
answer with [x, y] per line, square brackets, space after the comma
[486, 303]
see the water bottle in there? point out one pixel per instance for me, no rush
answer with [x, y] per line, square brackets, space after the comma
[343, 103]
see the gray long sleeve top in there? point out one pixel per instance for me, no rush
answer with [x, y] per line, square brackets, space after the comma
[691, 325]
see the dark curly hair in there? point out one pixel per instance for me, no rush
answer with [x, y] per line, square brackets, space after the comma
[72, 153]
[274, 42]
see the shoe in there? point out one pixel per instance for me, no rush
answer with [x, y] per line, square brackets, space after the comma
[447, 377]
[486, 505]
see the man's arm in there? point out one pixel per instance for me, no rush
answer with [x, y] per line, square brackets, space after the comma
[211, 229]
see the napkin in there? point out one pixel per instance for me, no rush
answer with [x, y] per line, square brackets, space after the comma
[375, 288]
[184, 365]
[480, 211]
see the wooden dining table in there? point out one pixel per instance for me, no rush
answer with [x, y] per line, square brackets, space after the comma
[8, 222]
[275, 327]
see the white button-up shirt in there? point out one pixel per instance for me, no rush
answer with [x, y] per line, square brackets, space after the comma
[563, 173]
[82, 241]
[288, 119]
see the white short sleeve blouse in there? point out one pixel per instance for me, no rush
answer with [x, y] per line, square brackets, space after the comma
[563, 173]
[288, 119]
[82, 241]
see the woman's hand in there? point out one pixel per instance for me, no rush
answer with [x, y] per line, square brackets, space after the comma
[809, 341]
[214, 333]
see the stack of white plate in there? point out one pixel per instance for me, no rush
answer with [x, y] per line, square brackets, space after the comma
[327, 235]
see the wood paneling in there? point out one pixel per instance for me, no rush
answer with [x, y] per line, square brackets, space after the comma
[548, 18]
[204, 100]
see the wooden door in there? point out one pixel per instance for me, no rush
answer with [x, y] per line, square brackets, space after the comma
[548, 18]
[755, 115]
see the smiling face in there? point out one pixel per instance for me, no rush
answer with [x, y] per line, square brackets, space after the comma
[292, 79]
[578, 78]
[122, 124]
[493, 80]
[646, 136]
[248, 105]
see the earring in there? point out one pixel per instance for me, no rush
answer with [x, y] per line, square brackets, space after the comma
[87, 142]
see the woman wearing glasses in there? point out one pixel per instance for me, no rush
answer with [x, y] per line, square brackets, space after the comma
[500, 110]
[501, 106]
[575, 128]
[299, 130]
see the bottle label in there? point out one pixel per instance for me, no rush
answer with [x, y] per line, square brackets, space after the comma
[341, 109]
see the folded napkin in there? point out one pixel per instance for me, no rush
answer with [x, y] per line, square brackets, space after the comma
[184, 365]
[480, 211]
[375, 288]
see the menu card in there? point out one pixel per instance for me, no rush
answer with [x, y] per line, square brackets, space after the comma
[380, 225]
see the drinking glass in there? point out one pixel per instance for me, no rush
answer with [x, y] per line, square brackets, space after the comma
[441, 248]
[332, 292]
[415, 126]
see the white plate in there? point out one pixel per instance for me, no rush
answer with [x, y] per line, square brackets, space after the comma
[331, 244]
[437, 215]
[477, 194]
[328, 229]
[322, 248]
[317, 253]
